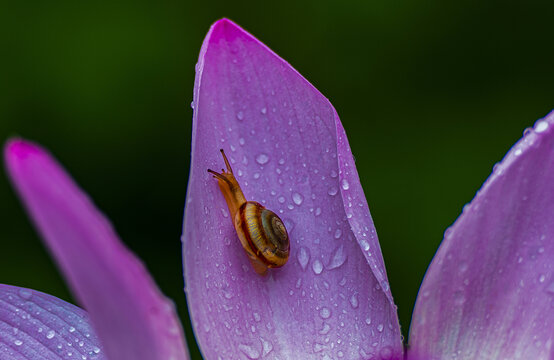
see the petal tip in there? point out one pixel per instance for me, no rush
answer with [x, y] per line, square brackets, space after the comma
[17, 149]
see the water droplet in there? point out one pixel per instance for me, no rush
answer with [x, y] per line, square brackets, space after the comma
[267, 346]
[71, 329]
[262, 159]
[354, 301]
[297, 198]
[332, 191]
[338, 233]
[325, 330]
[364, 244]
[256, 176]
[25, 294]
[541, 126]
[192, 104]
[317, 267]
[224, 213]
[249, 351]
[380, 327]
[338, 258]
[334, 174]
[241, 141]
[325, 313]
[281, 199]
[542, 277]
[317, 211]
[50, 334]
[240, 116]
[263, 110]
[303, 256]
[345, 184]
[517, 152]
[18, 342]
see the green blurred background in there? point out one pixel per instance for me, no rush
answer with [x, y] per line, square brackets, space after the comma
[432, 94]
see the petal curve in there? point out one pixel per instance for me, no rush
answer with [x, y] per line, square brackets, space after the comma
[34, 325]
[289, 152]
[132, 318]
[489, 291]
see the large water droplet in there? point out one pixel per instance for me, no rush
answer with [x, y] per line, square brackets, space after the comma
[317, 267]
[297, 198]
[338, 258]
[303, 257]
[262, 159]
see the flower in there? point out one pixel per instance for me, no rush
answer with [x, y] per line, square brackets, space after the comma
[489, 292]
[130, 316]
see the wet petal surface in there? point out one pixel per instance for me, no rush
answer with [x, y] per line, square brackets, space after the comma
[132, 318]
[34, 325]
[489, 292]
[289, 152]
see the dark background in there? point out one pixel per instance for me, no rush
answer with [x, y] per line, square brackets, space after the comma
[431, 94]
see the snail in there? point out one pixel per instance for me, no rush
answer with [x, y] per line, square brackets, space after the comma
[261, 232]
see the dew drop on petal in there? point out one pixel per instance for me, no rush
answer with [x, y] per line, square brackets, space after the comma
[18, 342]
[317, 267]
[262, 159]
[303, 257]
[25, 293]
[332, 191]
[297, 198]
[338, 258]
[249, 351]
[541, 126]
[345, 184]
[325, 313]
[50, 334]
[240, 116]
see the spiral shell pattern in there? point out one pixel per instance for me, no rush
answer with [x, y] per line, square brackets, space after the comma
[262, 234]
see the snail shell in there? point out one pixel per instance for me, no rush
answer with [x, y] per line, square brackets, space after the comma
[261, 232]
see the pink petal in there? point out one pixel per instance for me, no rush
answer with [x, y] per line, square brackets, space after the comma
[131, 317]
[489, 292]
[34, 325]
[289, 152]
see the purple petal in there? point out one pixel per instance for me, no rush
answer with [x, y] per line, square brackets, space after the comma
[34, 325]
[289, 152]
[489, 292]
[131, 317]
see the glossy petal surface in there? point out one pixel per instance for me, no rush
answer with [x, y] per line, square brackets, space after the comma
[489, 292]
[34, 325]
[132, 318]
[289, 152]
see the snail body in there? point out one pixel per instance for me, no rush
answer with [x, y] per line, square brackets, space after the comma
[261, 232]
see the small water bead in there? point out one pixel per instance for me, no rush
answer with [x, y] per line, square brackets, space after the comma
[354, 301]
[241, 141]
[50, 334]
[325, 313]
[317, 211]
[71, 329]
[317, 267]
[249, 351]
[25, 294]
[297, 198]
[18, 342]
[281, 199]
[517, 152]
[303, 257]
[541, 126]
[338, 233]
[345, 184]
[325, 330]
[380, 327]
[332, 191]
[542, 278]
[281, 161]
[240, 116]
[338, 258]
[263, 110]
[256, 175]
[262, 159]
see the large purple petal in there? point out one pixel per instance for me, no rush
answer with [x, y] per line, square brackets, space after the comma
[289, 151]
[34, 325]
[489, 292]
[131, 317]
